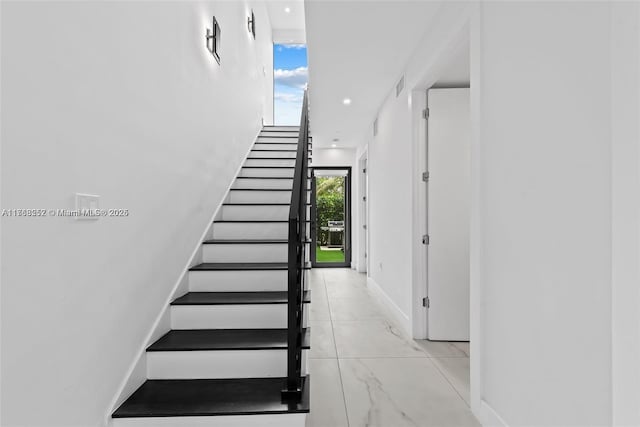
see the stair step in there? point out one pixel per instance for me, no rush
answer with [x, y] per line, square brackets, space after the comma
[283, 145]
[264, 189]
[253, 221]
[264, 177]
[244, 250]
[263, 135]
[246, 241]
[250, 230]
[263, 183]
[226, 339]
[271, 172]
[270, 162]
[233, 266]
[273, 155]
[230, 310]
[236, 298]
[259, 204]
[277, 151]
[211, 397]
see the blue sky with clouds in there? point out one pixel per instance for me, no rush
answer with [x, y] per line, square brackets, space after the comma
[290, 76]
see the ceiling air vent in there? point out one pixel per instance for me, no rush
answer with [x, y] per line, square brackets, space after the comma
[375, 127]
[400, 86]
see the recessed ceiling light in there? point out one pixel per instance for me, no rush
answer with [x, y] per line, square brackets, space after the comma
[346, 101]
[287, 9]
[334, 145]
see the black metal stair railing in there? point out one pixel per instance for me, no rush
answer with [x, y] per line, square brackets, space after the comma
[296, 261]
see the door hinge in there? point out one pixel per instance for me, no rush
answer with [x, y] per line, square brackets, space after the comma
[364, 170]
[364, 226]
[364, 198]
[425, 113]
[425, 176]
[425, 239]
[365, 254]
[425, 302]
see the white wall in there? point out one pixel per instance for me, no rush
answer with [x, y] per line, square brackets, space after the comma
[625, 78]
[545, 176]
[555, 300]
[119, 99]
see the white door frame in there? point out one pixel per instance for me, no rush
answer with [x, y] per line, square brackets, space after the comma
[363, 214]
[466, 32]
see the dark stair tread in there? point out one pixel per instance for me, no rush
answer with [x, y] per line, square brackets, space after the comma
[242, 266]
[264, 177]
[247, 241]
[272, 158]
[249, 221]
[284, 151]
[259, 204]
[277, 136]
[225, 339]
[268, 167]
[263, 189]
[244, 241]
[210, 397]
[236, 298]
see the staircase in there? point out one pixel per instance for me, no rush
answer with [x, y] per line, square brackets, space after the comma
[230, 356]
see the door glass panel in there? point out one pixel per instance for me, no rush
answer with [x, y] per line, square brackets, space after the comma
[330, 219]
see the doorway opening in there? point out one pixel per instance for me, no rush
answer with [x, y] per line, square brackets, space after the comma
[290, 76]
[331, 217]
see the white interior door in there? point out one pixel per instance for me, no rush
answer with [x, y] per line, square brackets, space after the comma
[448, 214]
[365, 217]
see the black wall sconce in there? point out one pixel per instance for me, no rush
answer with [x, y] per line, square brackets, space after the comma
[212, 40]
[251, 24]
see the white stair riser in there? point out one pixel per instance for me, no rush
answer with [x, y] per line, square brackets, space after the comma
[248, 230]
[281, 132]
[219, 364]
[232, 316]
[271, 420]
[237, 252]
[240, 196]
[272, 154]
[269, 162]
[257, 212]
[249, 212]
[288, 172]
[238, 280]
[286, 184]
[275, 146]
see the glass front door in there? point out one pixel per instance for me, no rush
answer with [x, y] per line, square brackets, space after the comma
[331, 214]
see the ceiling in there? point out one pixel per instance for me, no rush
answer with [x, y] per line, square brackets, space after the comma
[357, 49]
[288, 27]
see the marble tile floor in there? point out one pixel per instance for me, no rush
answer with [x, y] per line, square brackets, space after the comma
[365, 372]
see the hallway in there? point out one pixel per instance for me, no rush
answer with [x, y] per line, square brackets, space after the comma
[365, 373]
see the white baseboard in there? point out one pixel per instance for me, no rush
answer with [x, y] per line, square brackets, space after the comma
[488, 417]
[392, 309]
